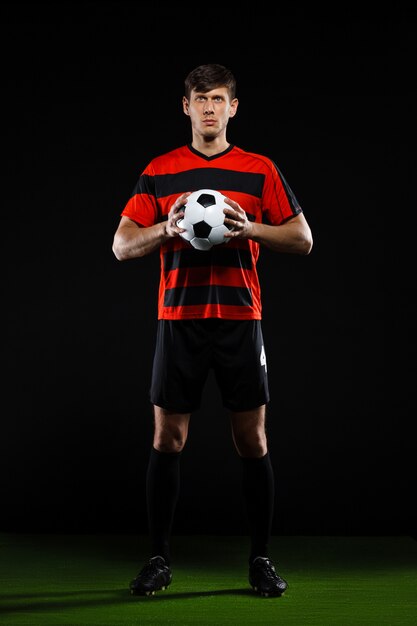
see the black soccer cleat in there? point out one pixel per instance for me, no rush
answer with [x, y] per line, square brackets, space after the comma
[154, 576]
[264, 579]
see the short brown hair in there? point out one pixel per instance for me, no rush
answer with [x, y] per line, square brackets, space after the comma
[207, 77]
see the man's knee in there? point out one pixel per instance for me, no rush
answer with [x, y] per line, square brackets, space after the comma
[170, 431]
[251, 444]
[249, 434]
[168, 441]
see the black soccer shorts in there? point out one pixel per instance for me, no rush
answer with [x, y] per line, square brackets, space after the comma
[187, 349]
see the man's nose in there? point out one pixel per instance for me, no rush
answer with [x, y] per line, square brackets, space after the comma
[208, 107]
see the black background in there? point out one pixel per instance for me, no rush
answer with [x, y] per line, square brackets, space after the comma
[91, 92]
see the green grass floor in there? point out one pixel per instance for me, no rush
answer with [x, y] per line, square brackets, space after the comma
[82, 580]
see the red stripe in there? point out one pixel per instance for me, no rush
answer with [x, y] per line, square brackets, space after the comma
[211, 310]
[193, 276]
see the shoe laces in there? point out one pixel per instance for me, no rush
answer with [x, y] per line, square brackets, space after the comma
[154, 566]
[267, 567]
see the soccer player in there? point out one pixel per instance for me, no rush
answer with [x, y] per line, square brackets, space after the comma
[209, 311]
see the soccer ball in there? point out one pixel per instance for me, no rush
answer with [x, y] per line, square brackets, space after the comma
[204, 219]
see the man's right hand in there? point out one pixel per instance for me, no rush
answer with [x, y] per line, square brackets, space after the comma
[176, 212]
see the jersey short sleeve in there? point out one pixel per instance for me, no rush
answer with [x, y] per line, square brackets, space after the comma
[142, 205]
[278, 201]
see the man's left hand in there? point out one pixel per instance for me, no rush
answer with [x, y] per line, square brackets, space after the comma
[238, 220]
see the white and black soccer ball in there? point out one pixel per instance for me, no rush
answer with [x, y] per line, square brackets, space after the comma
[204, 219]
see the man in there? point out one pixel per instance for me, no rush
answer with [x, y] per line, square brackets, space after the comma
[209, 311]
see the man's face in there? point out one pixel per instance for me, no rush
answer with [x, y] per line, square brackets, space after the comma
[210, 111]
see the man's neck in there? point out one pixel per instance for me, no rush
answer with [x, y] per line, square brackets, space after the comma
[210, 148]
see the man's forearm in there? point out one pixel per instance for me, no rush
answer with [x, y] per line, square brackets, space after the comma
[131, 243]
[288, 238]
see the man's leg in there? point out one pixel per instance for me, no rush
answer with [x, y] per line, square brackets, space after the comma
[162, 489]
[163, 477]
[248, 430]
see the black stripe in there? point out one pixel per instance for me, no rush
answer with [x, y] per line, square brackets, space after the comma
[208, 294]
[162, 185]
[145, 184]
[218, 255]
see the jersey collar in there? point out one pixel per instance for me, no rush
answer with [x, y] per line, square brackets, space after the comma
[210, 158]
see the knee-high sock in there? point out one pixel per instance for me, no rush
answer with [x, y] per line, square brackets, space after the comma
[259, 492]
[162, 489]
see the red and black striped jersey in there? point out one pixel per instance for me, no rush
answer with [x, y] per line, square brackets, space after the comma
[223, 281]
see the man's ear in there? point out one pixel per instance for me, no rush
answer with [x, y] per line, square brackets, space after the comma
[185, 105]
[233, 107]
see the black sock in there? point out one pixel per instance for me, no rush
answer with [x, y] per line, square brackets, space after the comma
[258, 491]
[162, 489]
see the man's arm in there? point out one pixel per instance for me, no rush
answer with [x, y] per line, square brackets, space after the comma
[293, 236]
[132, 240]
